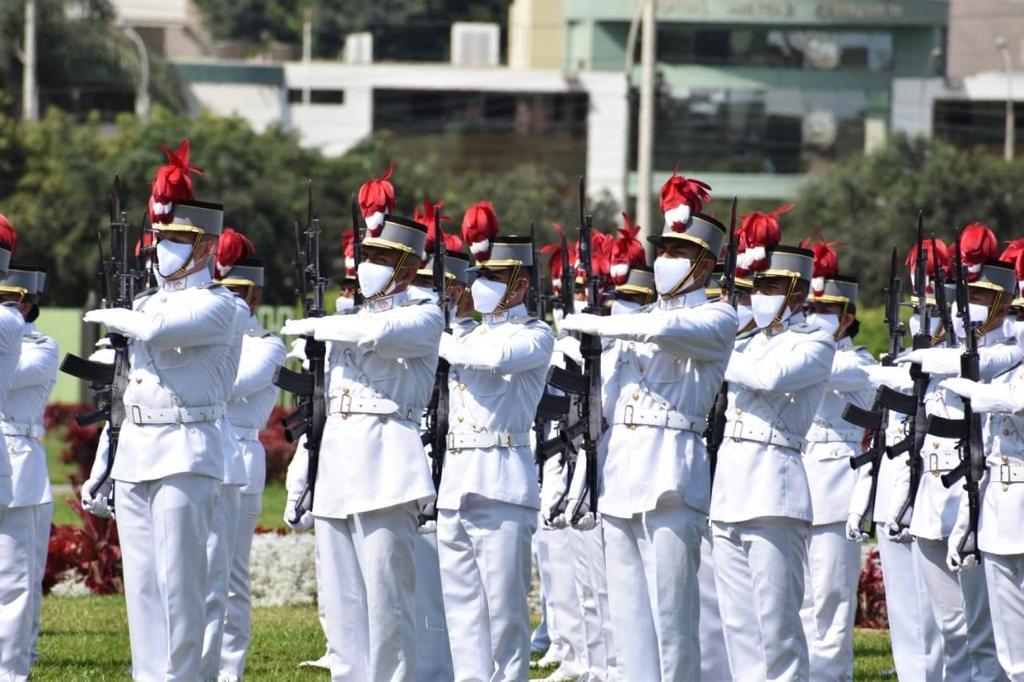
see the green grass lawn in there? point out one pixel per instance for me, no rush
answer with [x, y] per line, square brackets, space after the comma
[87, 639]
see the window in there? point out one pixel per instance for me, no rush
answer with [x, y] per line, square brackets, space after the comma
[317, 96]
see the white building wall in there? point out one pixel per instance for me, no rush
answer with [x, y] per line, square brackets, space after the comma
[260, 105]
[913, 99]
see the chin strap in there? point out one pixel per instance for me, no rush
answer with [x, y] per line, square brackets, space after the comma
[842, 316]
[989, 321]
[777, 320]
[508, 288]
[183, 270]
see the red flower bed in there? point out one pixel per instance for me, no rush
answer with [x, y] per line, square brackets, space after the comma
[279, 450]
[871, 611]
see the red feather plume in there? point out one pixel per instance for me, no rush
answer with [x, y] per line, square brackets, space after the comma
[8, 235]
[758, 232]
[678, 190]
[172, 183]
[479, 228]
[377, 199]
[348, 248]
[978, 245]
[555, 259]
[626, 251]
[1014, 254]
[232, 247]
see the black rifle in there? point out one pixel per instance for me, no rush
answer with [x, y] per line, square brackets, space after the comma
[108, 382]
[715, 432]
[437, 409]
[876, 419]
[949, 336]
[917, 417]
[310, 413]
[358, 230]
[967, 429]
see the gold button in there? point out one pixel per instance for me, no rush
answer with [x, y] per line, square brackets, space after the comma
[462, 387]
[1006, 459]
[935, 445]
[738, 411]
[344, 415]
[138, 380]
[636, 396]
[1006, 486]
[345, 390]
[460, 418]
[1006, 432]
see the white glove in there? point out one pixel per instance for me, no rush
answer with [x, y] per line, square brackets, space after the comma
[913, 357]
[118, 320]
[587, 521]
[298, 350]
[897, 377]
[98, 504]
[895, 533]
[953, 560]
[964, 388]
[304, 523]
[581, 322]
[570, 348]
[427, 527]
[303, 327]
[448, 347]
[853, 531]
[556, 522]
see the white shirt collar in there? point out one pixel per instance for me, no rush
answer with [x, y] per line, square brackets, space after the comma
[379, 305]
[188, 282]
[687, 300]
[499, 316]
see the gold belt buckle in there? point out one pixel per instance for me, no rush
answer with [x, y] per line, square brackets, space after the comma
[933, 464]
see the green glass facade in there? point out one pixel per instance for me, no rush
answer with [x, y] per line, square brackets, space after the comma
[762, 93]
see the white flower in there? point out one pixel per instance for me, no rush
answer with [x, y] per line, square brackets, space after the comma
[71, 585]
[283, 569]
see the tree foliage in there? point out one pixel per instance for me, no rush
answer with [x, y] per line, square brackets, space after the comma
[55, 176]
[403, 30]
[871, 203]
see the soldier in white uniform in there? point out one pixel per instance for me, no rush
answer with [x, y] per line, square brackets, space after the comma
[25, 526]
[11, 323]
[220, 547]
[433, 650]
[670, 361]
[170, 460]
[913, 632]
[761, 506]
[488, 502]
[253, 396]
[833, 562]
[1002, 508]
[958, 600]
[373, 471]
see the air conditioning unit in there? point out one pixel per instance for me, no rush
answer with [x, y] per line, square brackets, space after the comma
[359, 48]
[475, 44]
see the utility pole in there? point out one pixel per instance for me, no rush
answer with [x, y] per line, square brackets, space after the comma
[645, 126]
[1004, 50]
[29, 87]
[142, 100]
[307, 52]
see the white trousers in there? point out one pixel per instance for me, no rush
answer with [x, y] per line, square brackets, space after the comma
[714, 663]
[433, 652]
[24, 538]
[563, 615]
[367, 585]
[652, 560]
[759, 573]
[916, 644]
[831, 574]
[484, 551]
[238, 619]
[163, 526]
[220, 550]
[960, 605]
[592, 597]
[1004, 576]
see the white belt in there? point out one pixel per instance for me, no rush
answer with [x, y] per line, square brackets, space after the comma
[174, 415]
[667, 419]
[763, 433]
[825, 434]
[1011, 472]
[9, 428]
[245, 433]
[487, 439]
[941, 462]
[347, 404]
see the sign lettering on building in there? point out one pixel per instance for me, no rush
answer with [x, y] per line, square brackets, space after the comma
[779, 9]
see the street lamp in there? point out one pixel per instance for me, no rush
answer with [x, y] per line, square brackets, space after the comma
[1004, 50]
[142, 91]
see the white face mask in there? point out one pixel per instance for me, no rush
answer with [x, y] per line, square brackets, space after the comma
[669, 273]
[828, 322]
[344, 303]
[487, 294]
[374, 277]
[745, 315]
[623, 307]
[1009, 327]
[765, 308]
[423, 292]
[578, 306]
[171, 257]
[979, 313]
